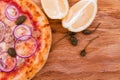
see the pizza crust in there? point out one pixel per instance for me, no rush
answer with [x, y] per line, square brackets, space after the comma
[36, 63]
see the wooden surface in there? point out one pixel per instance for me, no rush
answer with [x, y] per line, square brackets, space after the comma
[102, 61]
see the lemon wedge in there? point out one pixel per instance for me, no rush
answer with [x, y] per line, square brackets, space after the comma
[80, 15]
[55, 9]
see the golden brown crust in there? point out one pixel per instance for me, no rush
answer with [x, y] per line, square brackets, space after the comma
[42, 55]
[36, 63]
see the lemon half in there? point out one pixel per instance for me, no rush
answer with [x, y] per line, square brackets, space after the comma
[55, 9]
[80, 15]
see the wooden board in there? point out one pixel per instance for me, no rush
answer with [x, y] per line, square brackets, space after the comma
[102, 61]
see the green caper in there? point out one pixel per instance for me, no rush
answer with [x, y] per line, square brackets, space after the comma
[73, 40]
[87, 32]
[20, 20]
[83, 53]
[71, 33]
[12, 52]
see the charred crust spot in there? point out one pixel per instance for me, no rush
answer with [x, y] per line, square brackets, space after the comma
[29, 5]
[28, 78]
[46, 45]
[47, 37]
[30, 70]
[42, 61]
[37, 13]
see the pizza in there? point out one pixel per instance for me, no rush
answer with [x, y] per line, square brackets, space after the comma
[25, 39]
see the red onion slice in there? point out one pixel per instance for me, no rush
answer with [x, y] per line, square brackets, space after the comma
[26, 48]
[2, 30]
[7, 63]
[11, 12]
[22, 30]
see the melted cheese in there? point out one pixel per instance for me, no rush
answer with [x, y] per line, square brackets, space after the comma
[3, 46]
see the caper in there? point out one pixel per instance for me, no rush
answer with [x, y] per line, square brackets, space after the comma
[87, 32]
[73, 40]
[20, 20]
[71, 33]
[12, 52]
[83, 53]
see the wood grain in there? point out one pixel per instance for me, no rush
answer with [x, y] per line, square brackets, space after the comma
[103, 55]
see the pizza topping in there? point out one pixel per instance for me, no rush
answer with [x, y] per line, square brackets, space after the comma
[21, 31]
[8, 35]
[26, 48]
[2, 29]
[20, 61]
[17, 43]
[12, 52]
[20, 20]
[11, 12]
[3, 47]
[7, 63]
